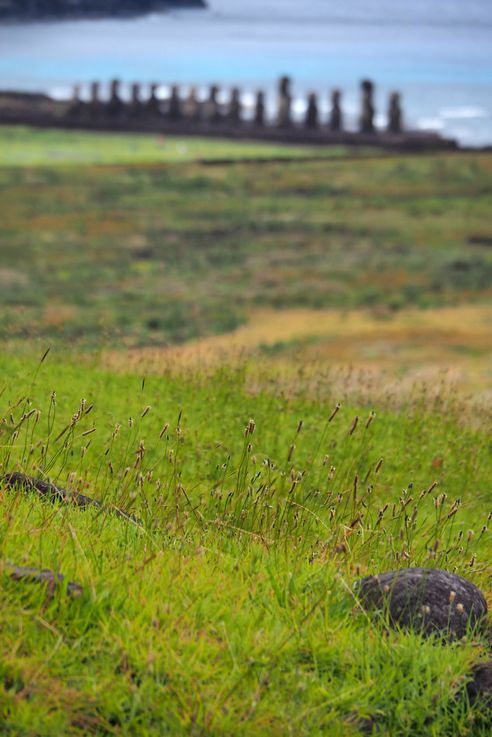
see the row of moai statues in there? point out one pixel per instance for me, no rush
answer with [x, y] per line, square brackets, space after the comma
[212, 110]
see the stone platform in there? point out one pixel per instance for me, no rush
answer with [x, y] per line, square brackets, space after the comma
[188, 115]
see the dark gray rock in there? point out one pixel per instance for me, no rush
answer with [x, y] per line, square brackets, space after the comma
[55, 494]
[479, 689]
[369, 726]
[50, 579]
[425, 599]
[47, 490]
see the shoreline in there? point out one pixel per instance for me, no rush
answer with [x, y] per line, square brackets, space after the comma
[408, 141]
[135, 112]
[210, 119]
[113, 12]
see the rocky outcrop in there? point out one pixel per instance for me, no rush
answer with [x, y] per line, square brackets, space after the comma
[77, 9]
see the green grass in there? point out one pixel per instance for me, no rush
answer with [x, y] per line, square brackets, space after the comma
[167, 252]
[232, 611]
[22, 147]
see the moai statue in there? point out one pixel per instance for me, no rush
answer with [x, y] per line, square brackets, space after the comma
[235, 108]
[212, 108]
[191, 107]
[76, 105]
[153, 105]
[395, 116]
[336, 117]
[115, 104]
[312, 111]
[367, 113]
[95, 103]
[259, 118]
[284, 103]
[135, 103]
[174, 108]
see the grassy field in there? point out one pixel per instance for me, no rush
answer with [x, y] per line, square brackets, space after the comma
[19, 147]
[166, 253]
[284, 371]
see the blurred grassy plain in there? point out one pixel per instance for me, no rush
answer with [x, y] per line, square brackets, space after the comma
[21, 147]
[336, 259]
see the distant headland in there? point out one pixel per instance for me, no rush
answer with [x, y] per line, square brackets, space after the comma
[27, 10]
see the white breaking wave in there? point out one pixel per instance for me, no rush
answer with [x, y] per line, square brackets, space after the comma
[60, 93]
[463, 113]
[433, 124]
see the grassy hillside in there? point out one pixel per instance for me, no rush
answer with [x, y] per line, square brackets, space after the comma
[232, 611]
[284, 371]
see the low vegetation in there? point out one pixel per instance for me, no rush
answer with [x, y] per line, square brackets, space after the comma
[167, 253]
[232, 611]
[268, 477]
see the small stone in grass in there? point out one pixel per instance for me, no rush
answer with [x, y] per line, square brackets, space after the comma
[56, 494]
[479, 689]
[45, 576]
[47, 490]
[425, 599]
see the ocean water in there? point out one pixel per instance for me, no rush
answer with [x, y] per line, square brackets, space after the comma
[438, 53]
